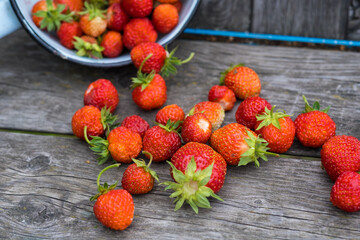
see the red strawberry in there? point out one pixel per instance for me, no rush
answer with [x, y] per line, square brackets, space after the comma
[122, 143]
[38, 6]
[160, 61]
[136, 123]
[67, 32]
[88, 46]
[117, 18]
[168, 1]
[137, 8]
[175, 3]
[138, 178]
[239, 145]
[101, 93]
[93, 119]
[113, 208]
[242, 80]
[162, 141]
[199, 172]
[222, 95]
[165, 18]
[172, 112]
[314, 127]
[196, 128]
[248, 109]
[137, 31]
[345, 194]
[149, 90]
[277, 129]
[213, 112]
[112, 44]
[93, 21]
[71, 5]
[340, 154]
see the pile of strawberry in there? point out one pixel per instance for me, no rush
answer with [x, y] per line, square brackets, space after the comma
[97, 28]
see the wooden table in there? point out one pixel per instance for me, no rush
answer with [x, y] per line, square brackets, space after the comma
[47, 175]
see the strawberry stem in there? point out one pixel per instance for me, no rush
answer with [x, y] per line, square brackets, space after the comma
[104, 189]
[86, 137]
[105, 169]
[151, 157]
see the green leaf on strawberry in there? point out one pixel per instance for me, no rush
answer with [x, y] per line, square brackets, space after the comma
[106, 188]
[87, 49]
[270, 117]
[171, 61]
[94, 10]
[141, 163]
[315, 107]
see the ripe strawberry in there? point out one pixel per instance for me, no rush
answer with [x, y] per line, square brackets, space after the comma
[137, 8]
[113, 208]
[93, 21]
[162, 141]
[160, 61]
[165, 18]
[149, 90]
[213, 112]
[176, 3]
[222, 95]
[239, 145]
[168, 1]
[242, 80]
[172, 112]
[112, 44]
[117, 18]
[277, 129]
[345, 194]
[71, 5]
[67, 32]
[199, 172]
[101, 93]
[340, 154]
[136, 124]
[248, 109]
[90, 117]
[138, 178]
[314, 127]
[196, 128]
[122, 143]
[88, 46]
[138, 30]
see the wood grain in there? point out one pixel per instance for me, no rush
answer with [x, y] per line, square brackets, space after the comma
[46, 183]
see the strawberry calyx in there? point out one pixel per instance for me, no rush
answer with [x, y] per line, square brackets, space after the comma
[140, 163]
[223, 74]
[100, 4]
[190, 187]
[86, 49]
[107, 119]
[143, 79]
[53, 16]
[105, 188]
[315, 107]
[270, 117]
[257, 149]
[99, 146]
[93, 10]
[171, 61]
[170, 126]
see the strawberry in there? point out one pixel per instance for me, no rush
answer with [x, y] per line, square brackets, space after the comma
[222, 95]
[175, 3]
[112, 44]
[199, 172]
[137, 8]
[196, 128]
[113, 208]
[165, 18]
[136, 124]
[149, 90]
[111, 2]
[242, 80]
[138, 178]
[340, 154]
[213, 112]
[345, 194]
[239, 145]
[172, 112]
[277, 129]
[71, 5]
[67, 32]
[101, 93]
[117, 18]
[122, 143]
[91, 118]
[88, 46]
[160, 61]
[93, 21]
[138, 30]
[168, 1]
[162, 141]
[314, 127]
[248, 109]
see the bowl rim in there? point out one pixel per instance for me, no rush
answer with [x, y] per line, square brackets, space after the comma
[168, 38]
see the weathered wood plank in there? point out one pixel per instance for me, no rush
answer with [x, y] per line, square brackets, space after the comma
[46, 183]
[309, 18]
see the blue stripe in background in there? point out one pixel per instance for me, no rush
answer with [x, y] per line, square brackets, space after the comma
[272, 37]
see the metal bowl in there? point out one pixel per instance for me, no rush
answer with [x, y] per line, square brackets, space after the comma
[23, 8]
